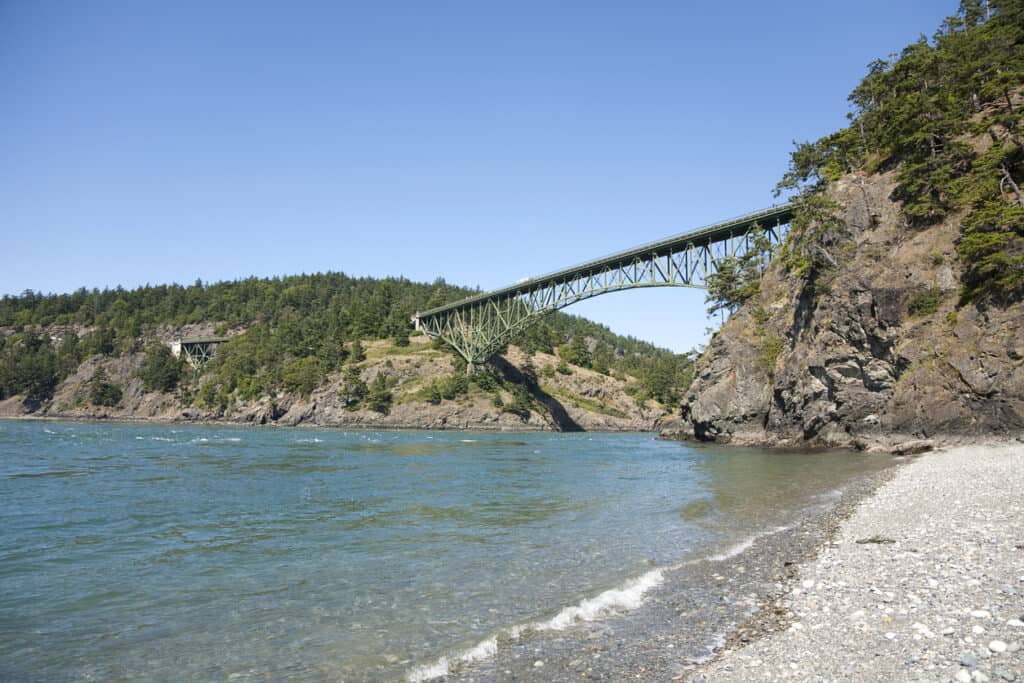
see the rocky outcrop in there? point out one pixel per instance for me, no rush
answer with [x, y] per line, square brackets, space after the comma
[871, 353]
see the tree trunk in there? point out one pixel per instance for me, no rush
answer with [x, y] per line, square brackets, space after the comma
[1007, 178]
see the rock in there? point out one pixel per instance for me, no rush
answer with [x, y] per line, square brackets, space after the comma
[970, 661]
[830, 366]
[875, 539]
[981, 614]
[1005, 675]
[913, 447]
[963, 676]
[979, 677]
[997, 646]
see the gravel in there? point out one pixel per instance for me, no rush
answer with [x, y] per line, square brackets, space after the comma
[923, 582]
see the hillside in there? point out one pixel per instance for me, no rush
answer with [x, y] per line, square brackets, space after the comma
[893, 312]
[321, 349]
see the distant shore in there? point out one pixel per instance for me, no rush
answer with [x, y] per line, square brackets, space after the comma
[924, 581]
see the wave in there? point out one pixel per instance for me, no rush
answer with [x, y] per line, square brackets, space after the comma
[47, 473]
[736, 549]
[628, 596]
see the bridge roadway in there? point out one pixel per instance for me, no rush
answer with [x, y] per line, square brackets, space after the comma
[479, 325]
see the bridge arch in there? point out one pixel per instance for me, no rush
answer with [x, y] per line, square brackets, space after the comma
[480, 325]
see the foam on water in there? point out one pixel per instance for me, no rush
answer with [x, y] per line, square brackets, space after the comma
[736, 549]
[628, 596]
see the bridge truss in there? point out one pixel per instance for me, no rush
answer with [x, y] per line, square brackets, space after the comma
[479, 326]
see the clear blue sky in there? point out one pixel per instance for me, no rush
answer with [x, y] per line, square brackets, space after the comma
[481, 142]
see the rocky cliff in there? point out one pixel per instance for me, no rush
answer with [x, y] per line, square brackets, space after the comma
[872, 352]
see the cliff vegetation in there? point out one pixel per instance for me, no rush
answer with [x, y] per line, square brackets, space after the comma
[893, 310]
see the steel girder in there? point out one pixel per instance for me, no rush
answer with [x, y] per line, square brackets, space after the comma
[478, 327]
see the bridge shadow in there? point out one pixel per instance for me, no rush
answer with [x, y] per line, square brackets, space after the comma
[559, 415]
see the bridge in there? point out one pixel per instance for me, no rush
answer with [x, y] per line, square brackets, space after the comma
[197, 351]
[480, 325]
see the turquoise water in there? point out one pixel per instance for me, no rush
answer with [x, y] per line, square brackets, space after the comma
[156, 552]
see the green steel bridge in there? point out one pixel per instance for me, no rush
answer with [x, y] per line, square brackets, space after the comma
[480, 325]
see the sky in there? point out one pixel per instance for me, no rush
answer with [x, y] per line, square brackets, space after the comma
[481, 142]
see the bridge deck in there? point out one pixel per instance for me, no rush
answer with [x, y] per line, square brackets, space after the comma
[699, 237]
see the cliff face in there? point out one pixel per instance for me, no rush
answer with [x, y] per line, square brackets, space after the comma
[871, 353]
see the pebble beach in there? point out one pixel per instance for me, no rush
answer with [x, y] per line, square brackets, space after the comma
[923, 582]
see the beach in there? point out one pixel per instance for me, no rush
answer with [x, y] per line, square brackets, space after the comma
[924, 581]
[913, 573]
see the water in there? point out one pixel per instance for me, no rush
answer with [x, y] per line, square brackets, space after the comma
[155, 552]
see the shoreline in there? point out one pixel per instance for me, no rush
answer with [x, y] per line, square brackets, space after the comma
[785, 606]
[922, 580]
[680, 624]
[362, 427]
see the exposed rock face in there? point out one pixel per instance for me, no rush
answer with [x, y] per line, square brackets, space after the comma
[849, 359]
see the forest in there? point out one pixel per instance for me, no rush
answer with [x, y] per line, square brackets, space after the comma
[294, 331]
[945, 115]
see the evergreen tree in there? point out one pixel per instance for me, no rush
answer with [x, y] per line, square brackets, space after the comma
[103, 392]
[378, 397]
[160, 370]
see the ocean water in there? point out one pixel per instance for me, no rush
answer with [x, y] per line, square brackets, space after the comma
[195, 553]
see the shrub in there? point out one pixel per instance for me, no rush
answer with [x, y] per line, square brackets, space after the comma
[925, 302]
[771, 349]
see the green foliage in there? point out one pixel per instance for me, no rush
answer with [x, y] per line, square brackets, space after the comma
[925, 302]
[302, 375]
[485, 380]
[447, 388]
[771, 349]
[288, 321]
[357, 353]
[353, 388]
[563, 368]
[521, 402]
[28, 366]
[992, 249]
[815, 217]
[160, 370]
[378, 398]
[100, 341]
[738, 279]
[103, 392]
[575, 352]
[910, 114]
